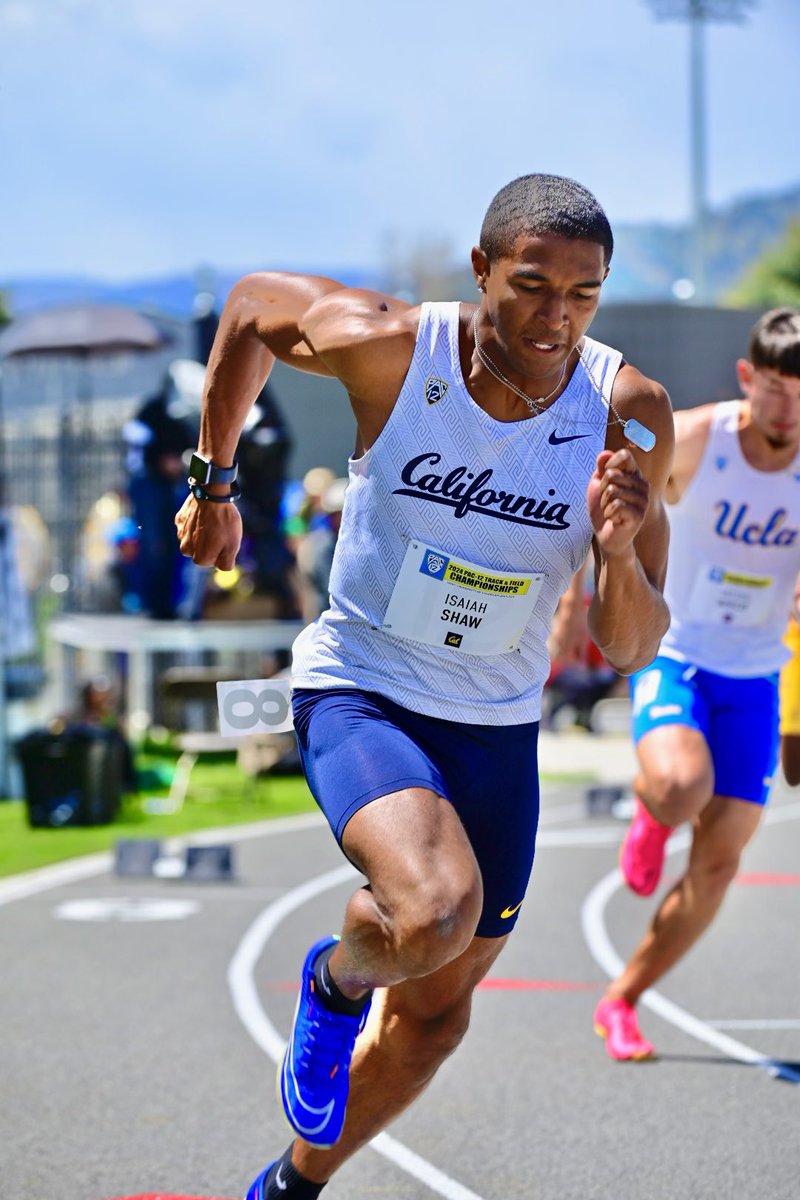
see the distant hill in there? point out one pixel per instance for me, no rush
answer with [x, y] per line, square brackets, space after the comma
[170, 294]
[647, 261]
[649, 258]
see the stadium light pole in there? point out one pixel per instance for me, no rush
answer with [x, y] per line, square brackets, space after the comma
[698, 13]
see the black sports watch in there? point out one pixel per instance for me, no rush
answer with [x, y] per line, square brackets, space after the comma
[204, 471]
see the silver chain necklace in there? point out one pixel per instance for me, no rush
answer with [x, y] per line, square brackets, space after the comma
[633, 430]
[535, 405]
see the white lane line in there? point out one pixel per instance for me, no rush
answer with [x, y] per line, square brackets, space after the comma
[265, 1035]
[746, 1023]
[604, 954]
[17, 887]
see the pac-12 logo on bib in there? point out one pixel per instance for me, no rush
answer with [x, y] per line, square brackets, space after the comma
[435, 389]
[434, 564]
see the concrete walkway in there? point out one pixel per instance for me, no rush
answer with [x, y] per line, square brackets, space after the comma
[606, 758]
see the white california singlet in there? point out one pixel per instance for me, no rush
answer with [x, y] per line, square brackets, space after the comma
[459, 534]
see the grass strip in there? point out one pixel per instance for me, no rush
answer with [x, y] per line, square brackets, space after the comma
[219, 795]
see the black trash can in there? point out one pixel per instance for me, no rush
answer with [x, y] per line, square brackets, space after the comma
[72, 777]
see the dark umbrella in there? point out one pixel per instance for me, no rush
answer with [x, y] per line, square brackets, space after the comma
[80, 329]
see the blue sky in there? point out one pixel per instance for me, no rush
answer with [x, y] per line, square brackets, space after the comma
[139, 137]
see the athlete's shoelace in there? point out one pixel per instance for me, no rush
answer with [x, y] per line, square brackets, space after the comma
[328, 1040]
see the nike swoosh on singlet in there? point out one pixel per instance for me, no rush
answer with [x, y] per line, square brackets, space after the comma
[280, 1183]
[555, 440]
[509, 912]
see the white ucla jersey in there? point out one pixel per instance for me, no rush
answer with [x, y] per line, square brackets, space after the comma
[733, 558]
[497, 508]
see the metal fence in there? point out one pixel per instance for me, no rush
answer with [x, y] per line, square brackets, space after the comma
[56, 474]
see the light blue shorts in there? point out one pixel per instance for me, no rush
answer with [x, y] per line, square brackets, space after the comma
[737, 717]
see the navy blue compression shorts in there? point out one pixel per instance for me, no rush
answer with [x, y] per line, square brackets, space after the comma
[356, 746]
[737, 717]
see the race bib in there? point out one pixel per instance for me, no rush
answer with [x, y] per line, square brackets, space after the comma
[443, 601]
[723, 597]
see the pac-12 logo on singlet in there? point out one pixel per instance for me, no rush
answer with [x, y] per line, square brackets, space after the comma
[435, 389]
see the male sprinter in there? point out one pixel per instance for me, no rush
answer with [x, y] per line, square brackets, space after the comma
[494, 445]
[705, 713]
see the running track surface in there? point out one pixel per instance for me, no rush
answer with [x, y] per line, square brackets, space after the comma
[139, 1020]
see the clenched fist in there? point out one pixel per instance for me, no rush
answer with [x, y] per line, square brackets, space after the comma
[209, 533]
[617, 496]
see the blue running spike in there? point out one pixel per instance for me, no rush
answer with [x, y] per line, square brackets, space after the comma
[256, 1189]
[315, 1073]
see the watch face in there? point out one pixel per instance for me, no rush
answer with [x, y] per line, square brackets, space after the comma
[200, 468]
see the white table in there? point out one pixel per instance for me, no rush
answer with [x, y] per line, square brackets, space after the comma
[141, 637]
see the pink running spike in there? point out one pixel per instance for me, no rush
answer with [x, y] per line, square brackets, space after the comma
[641, 858]
[615, 1020]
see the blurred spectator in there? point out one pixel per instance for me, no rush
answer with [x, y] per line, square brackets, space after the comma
[119, 585]
[205, 322]
[262, 454]
[99, 709]
[305, 506]
[315, 551]
[16, 619]
[160, 438]
[163, 430]
[18, 679]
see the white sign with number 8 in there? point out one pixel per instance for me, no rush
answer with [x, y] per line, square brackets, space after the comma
[254, 706]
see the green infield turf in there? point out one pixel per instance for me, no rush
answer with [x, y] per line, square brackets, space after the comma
[219, 795]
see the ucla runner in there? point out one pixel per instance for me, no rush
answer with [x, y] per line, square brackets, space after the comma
[705, 712]
[496, 442]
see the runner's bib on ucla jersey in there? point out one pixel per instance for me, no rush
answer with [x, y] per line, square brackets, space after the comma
[721, 597]
[444, 601]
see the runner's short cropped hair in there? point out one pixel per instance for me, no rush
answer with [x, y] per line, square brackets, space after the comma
[536, 204]
[775, 341]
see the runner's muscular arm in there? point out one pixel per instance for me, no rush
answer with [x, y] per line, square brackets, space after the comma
[261, 322]
[271, 316]
[628, 615]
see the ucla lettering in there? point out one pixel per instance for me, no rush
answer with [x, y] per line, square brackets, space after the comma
[738, 525]
[464, 492]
